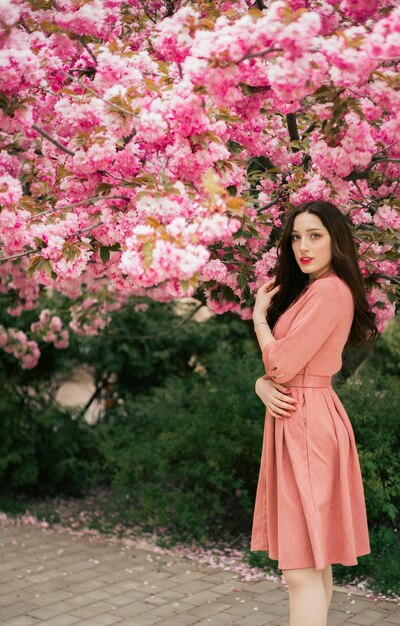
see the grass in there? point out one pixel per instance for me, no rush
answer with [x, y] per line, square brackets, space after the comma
[12, 506]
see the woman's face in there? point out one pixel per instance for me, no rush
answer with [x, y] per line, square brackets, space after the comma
[311, 245]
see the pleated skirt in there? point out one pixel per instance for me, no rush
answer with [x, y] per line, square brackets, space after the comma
[310, 507]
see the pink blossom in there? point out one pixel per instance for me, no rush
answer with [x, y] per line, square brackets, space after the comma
[62, 341]
[387, 267]
[133, 152]
[174, 39]
[15, 342]
[263, 268]
[9, 13]
[292, 80]
[211, 228]
[218, 306]
[214, 270]
[151, 127]
[116, 71]
[10, 190]
[49, 329]
[359, 10]
[381, 306]
[170, 260]
[9, 164]
[89, 19]
[387, 217]
[315, 189]
[19, 66]
[361, 216]
[141, 307]
[56, 323]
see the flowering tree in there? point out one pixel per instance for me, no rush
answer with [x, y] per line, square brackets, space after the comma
[152, 147]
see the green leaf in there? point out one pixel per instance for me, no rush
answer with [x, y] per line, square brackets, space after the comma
[105, 254]
[40, 243]
[103, 188]
[241, 280]
[228, 293]
[244, 251]
[34, 265]
[392, 297]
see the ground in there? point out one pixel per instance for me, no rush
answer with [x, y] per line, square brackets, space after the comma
[56, 577]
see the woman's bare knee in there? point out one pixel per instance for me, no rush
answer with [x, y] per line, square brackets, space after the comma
[299, 577]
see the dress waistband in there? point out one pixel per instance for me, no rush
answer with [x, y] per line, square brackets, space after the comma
[309, 380]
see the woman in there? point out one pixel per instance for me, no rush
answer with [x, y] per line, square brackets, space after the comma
[310, 508]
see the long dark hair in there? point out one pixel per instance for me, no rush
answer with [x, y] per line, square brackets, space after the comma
[293, 281]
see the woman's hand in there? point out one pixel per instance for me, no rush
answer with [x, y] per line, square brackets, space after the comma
[263, 299]
[276, 398]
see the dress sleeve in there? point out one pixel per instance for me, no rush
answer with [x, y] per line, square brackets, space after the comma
[317, 319]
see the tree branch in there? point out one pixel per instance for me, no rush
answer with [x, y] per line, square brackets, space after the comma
[94, 93]
[85, 45]
[71, 206]
[310, 128]
[146, 12]
[99, 388]
[269, 205]
[359, 175]
[291, 122]
[259, 54]
[170, 6]
[52, 140]
[386, 160]
[163, 334]
[13, 257]
[33, 251]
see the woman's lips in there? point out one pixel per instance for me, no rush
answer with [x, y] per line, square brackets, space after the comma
[305, 260]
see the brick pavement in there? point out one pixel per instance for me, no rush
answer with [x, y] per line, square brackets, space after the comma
[51, 578]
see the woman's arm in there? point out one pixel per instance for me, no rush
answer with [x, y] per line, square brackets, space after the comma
[276, 398]
[322, 310]
[261, 327]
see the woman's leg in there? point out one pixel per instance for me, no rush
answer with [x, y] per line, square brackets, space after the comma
[307, 597]
[328, 583]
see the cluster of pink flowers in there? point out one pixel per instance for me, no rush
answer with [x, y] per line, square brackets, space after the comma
[145, 154]
[383, 309]
[49, 329]
[214, 270]
[265, 266]
[16, 342]
[387, 217]
[10, 190]
[25, 292]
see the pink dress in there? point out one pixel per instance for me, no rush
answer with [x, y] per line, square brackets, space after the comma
[310, 507]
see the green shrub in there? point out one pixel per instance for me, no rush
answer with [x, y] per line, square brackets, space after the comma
[190, 452]
[44, 450]
[373, 407]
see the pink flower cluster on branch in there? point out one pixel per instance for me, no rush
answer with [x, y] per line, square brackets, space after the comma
[154, 148]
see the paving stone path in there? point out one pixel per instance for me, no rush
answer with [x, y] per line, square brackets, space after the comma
[53, 578]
